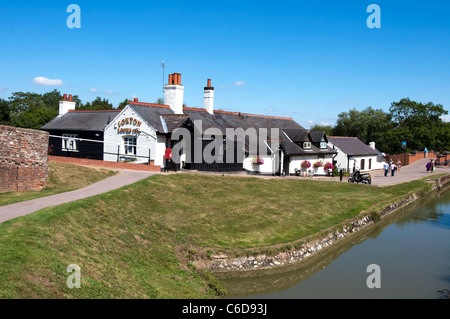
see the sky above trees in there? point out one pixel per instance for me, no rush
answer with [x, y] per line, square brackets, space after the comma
[302, 59]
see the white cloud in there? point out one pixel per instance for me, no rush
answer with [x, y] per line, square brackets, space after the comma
[43, 81]
[1, 88]
[446, 118]
[93, 90]
[238, 83]
[326, 124]
[109, 92]
[310, 122]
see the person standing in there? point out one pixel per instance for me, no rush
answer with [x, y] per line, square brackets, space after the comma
[425, 151]
[399, 164]
[393, 168]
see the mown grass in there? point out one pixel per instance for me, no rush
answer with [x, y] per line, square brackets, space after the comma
[63, 177]
[134, 242]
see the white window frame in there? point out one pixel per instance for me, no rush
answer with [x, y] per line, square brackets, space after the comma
[70, 142]
[323, 144]
[129, 145]
[307, 145]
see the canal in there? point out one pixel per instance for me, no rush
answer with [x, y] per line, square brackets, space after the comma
[411, 249]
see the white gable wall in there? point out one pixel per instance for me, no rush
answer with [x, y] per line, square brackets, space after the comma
[129, 124]
[345, 162]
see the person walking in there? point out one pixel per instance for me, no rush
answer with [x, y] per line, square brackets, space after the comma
[386, 168]
[399, 165]
[393, 168]
[430, 166]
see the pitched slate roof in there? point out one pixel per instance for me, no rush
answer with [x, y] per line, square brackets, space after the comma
[292, 142]
[87, 120]
[351, 146]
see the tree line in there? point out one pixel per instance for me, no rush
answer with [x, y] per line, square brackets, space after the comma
[408, 126]
[33, 110]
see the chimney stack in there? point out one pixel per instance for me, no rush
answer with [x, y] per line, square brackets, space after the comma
[173, 93]
[209, 98]
[65, 105]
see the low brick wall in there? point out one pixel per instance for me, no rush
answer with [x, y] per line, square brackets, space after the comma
[408, 159]
[23, 159]
[106, 164]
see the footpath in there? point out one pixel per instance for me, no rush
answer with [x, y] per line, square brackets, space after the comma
[408, 173]
[417, 170]
[124, 177]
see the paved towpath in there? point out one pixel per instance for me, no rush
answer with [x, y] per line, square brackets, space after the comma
[123, 178]
[407, 173]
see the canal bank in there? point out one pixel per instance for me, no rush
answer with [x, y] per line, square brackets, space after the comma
[410, 247]
[305, 249]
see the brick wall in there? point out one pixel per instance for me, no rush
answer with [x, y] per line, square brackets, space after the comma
[23, 159]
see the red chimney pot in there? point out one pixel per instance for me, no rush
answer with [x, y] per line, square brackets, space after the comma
[70, 97]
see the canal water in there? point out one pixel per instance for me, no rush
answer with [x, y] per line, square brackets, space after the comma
[411, 249]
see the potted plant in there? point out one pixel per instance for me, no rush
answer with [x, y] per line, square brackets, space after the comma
[257, 160]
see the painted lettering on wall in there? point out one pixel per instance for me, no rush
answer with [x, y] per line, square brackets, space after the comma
[135, 123]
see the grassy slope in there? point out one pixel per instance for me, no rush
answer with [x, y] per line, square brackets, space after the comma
[62, 177]
[127, 241]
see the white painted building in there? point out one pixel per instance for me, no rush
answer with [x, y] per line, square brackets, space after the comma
[353, 154]
[142, 133]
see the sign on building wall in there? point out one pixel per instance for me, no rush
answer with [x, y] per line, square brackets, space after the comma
[129, 125]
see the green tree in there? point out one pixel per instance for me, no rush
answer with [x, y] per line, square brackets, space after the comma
[123, 104]
[51, 99]
[97, 104]
[420, 125]
[328, 129]
[35, 117]
[160, 101]
[369, 125]
[4, 112]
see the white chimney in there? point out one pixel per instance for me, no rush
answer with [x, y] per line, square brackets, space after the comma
[173, 93]
[66, 104]
[209, 98]
[372, 145]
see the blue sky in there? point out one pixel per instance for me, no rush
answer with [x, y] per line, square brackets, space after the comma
[309, 60]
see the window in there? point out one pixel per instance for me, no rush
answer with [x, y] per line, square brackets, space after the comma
[129, 143]
[69, 142]
[323, 145]
[306, 145]
[362, 164]
[370, 163]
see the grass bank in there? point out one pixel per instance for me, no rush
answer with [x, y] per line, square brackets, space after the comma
[62, 177]
[135, 242]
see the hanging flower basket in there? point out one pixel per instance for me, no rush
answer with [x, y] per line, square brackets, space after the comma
[257, 160]
[318, 164]
[328, 165]
[306, 164]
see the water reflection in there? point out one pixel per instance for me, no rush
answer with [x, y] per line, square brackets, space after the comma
[410, 247]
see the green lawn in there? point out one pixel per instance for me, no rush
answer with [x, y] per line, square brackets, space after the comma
[62, 177]
[134, 242]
